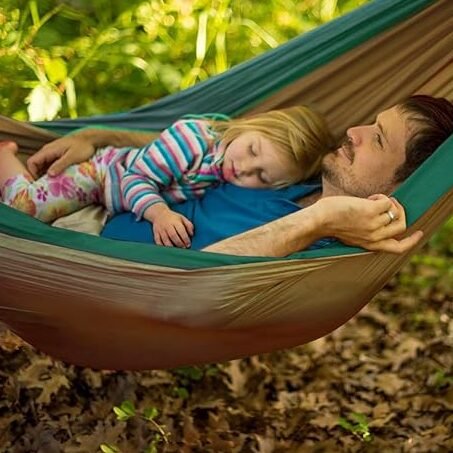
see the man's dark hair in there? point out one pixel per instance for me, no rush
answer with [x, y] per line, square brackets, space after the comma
[432, 119]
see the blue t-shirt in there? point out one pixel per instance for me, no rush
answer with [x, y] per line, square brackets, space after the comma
[222, 212]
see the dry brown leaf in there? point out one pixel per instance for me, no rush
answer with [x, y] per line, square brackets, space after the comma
[286, 401]
[105, 432]
[191, 436]
[381, 410]
[237, 379]
[45, 375]
[218, 423]
[265, 444]
[9, 341]
[314, 401]
[406, 350]
[327, 420]
[390, 383]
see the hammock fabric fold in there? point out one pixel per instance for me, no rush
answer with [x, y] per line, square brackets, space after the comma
[107, 304]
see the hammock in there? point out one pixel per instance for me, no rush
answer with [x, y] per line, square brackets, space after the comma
[109, 304]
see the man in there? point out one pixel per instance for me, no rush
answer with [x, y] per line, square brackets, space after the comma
[353, 204]
[373, 159]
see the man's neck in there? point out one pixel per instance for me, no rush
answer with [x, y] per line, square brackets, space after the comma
[309, 199]
[327, 190]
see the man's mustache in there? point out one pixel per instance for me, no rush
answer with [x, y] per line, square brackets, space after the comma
[348, 147]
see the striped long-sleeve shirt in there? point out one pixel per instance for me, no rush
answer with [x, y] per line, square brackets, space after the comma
[179, 165]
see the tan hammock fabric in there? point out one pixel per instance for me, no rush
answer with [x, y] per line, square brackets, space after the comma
[110, 313]
[413, 57]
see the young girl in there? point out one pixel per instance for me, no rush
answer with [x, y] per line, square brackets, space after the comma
[272, 149]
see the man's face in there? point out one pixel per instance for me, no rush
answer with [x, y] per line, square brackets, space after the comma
[366, 162]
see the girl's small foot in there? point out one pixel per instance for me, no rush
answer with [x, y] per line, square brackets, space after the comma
[9, 146]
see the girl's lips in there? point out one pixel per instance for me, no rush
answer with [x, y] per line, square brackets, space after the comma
[229, 173]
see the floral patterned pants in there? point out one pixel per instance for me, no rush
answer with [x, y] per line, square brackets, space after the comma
[49, 198]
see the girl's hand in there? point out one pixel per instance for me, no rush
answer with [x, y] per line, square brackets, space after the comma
[56, 156]
[376, 223]
[172, 229]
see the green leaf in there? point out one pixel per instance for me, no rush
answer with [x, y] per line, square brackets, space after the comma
[120, 414]
[182, 392]
[71, 97]
[125, 411]
[345, 424]
[128, 407]
[106, 448]
[56, 69]
[150, 413]
[359, 418]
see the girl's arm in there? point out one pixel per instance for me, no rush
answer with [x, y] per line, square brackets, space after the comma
[354, 221]
[162, 164]
[59, 154]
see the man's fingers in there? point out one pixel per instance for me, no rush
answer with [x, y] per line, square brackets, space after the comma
[395, 245]
[59, 165]
[378, 196]
[410, 242]
[41, 159]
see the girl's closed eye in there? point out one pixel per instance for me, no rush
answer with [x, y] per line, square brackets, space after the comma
[252, 150]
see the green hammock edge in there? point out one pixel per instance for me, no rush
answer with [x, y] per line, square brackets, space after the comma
[412, 195]
[434, 174]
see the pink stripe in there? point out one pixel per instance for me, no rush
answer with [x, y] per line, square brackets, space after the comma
[145, 170]
[187, 134]
[177, 158]
[207, 172]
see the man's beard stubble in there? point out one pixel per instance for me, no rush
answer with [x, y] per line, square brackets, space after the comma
[330, 170]
[346, 182]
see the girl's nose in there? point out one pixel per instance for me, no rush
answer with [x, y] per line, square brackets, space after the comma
[248, 169]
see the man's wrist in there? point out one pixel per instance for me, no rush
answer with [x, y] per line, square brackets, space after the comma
[320, 218]
[97, 138]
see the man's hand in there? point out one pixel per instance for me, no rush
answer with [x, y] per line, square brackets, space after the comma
[56, 156]
[377, 223]
[169, 227]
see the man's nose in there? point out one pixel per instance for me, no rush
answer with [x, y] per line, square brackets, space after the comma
[354, 135]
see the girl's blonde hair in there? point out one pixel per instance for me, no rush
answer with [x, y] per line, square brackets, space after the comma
[299, 132]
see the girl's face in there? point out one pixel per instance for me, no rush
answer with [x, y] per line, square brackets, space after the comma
[252, 160]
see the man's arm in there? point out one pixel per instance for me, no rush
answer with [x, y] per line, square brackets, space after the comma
[354, 221]
[278, 238]
[105, 137]
[59, 154]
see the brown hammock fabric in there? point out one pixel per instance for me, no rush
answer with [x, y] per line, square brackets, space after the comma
[105, 312]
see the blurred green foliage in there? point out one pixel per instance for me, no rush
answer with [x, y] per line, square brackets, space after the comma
[82, 57]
